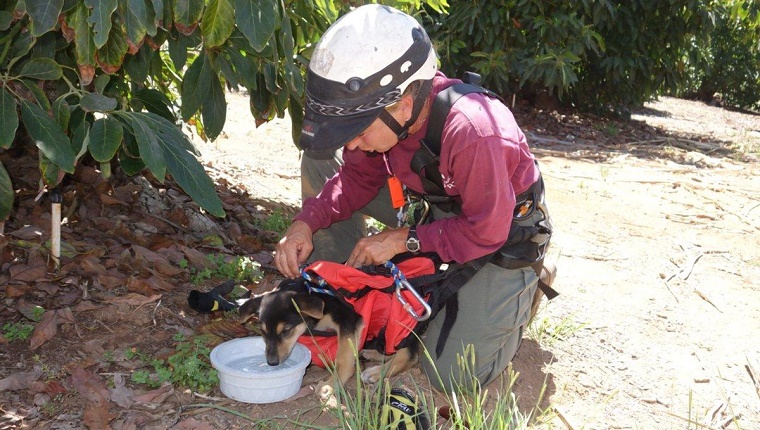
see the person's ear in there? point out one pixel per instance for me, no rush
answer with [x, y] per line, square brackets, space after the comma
[407, 103]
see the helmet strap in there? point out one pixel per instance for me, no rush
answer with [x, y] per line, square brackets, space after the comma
[403, 131]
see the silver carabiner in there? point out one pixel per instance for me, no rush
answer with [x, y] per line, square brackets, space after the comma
[403, 283]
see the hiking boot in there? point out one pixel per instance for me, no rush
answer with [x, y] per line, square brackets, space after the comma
[548, 273]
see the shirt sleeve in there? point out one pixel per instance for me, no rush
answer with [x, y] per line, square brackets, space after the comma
[355, 184]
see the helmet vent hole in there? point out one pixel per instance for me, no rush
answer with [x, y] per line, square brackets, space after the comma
[406, 66]
[387, 79]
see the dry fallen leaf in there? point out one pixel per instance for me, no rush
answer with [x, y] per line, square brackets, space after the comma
[141, 286]
[44, 330]
[97, 416]
[191, 424]
[28, 273]
[89, 385]
[120, 393]
[133, 299]
[20, 381]
[155, 397]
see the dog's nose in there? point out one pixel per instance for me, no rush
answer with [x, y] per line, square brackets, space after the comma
[273, 361]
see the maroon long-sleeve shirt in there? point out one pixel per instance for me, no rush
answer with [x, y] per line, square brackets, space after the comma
[485, 161]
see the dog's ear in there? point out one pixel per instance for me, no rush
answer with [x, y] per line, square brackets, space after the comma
[310, 305]
[250, 308]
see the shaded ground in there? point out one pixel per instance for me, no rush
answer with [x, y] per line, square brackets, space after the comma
[658, 227]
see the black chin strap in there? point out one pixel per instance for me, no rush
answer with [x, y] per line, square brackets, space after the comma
[403, 131]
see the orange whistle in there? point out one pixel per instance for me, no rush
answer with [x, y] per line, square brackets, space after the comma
[397, 192]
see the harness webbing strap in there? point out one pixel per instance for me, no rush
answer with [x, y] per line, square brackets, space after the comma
[425, 163]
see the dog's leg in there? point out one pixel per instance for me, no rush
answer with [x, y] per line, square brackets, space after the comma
[348, 344]
[373, 355]
[401, 361]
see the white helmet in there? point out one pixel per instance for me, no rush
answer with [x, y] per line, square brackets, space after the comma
[362, 64]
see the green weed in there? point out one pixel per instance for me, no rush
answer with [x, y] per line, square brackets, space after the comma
[188, 367]
[547, 331]
[278, 221]
[17, 331]
[238, 268]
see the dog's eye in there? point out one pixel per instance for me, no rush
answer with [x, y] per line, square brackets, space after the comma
[286, 331]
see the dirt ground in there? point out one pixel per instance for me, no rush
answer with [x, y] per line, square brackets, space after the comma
[657, 244]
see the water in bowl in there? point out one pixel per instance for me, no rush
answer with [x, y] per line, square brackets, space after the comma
[258, 364]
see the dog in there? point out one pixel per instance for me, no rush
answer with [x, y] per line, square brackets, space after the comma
[291, 310]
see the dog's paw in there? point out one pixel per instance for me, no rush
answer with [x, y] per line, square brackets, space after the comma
[326, 394]
[372, 374]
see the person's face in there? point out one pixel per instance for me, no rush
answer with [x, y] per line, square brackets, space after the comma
[378, 137]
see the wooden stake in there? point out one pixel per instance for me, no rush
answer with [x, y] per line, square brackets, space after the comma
[55, 226]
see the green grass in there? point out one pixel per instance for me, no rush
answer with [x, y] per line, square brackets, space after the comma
[546, 331]
[472, 407]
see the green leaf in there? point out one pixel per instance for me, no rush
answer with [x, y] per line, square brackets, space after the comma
[45, 69]
[178, 45]
[80, 139]
[105, 139]
[22, 44]
[51, 173]
[186, 15]
[136, 19]
[217, 23]
[94, 102]
[62, 112]
[130, 165]
[101, 19]
[6, 194]
[195, 86]
[6, 18]
[159, 9]
[84, 43]
[245, 67]
[44, 14]
[286, 36]
[294, 77]
[151, 151]
[257, 20]
[138, 65]
[111, 55]
[214, 111]
[181, 161]
[39, 95]
[129, 158]
[48, 136]
[8, 119]
[156, 102]
[192, 177]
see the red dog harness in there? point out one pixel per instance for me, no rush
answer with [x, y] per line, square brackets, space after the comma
[385, 308]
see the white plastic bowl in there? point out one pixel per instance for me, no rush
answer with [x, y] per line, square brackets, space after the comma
[245, 376]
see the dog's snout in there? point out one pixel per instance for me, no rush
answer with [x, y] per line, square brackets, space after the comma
[273, 358]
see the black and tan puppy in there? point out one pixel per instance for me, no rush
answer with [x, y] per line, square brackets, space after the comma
[290, 310]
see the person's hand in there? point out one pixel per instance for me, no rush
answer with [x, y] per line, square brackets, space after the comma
[293, 249]
[378, 248]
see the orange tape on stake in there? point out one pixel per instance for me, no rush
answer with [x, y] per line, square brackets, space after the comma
[397, 192]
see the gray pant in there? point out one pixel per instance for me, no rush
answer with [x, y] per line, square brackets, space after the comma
[494, 306]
